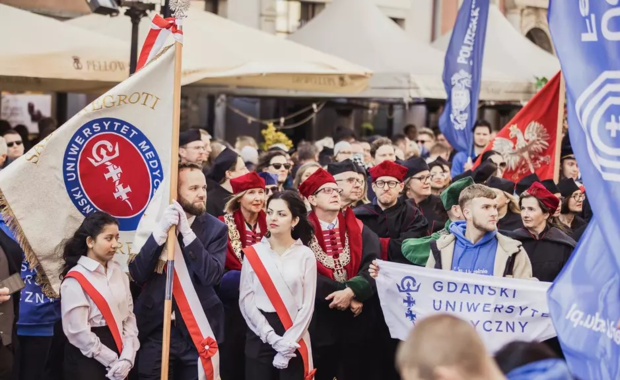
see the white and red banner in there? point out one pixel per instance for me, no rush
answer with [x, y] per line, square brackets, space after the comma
[112, 156]
[501, 309]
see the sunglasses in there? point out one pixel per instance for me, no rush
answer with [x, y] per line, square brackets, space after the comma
[271, 190]
[10, 144]
[279, 166]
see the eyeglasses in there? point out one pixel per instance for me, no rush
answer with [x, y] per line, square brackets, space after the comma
[279, 166]
[271, 190]
[426, 178]
[390, 184]
[10, 144]
[199, 148]
[351, 180]
[578, 197]
[422, 141]
[329, 190]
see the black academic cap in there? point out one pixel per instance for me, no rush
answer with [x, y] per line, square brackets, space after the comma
[567, 149]
[341, 167]
[567, 187]
[439, 161]
[415, 165]
[502, 184]
[484, 171]
[222, 163]
[526, 182]
[550, 185]
[188, 136]
[466, 173]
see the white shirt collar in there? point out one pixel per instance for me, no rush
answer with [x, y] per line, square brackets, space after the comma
[90, 264]
[325, 225]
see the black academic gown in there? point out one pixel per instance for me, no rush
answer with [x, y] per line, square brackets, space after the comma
[510, 222]
[217, 197]
[577, 225]
[548, 252]
[340, 340]
[393, 225]
[435, 221]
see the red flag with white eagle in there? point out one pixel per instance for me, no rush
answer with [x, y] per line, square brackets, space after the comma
[528, 142]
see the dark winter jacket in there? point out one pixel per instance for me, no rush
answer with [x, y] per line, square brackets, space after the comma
[393, 225]
[548, 252]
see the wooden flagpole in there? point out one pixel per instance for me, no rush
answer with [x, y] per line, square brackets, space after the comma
[179, 8]
[560, 125]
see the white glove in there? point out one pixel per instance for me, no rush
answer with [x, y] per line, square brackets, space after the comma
[169, 219]
[184, 228]
[119, 370]
[285, 346]
[281, 361]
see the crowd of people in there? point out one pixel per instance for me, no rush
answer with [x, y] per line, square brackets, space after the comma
[305, 225]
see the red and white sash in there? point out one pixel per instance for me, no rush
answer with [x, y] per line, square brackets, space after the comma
[281, 298]
[195, 319]
[111, 314]
[155, 40]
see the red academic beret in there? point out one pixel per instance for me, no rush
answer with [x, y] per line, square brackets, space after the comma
[388, 169]
[314, 182]
[538, 191]
[246, 182]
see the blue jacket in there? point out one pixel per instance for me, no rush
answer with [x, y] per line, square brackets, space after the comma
[37, 312]
[476, 258]
[549, 369]
[205, 258]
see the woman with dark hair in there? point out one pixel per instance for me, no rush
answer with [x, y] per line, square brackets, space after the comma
[227, 165]
[278, 287]
[572, 205]
[97, 308]
[547, 246]
[25, 135]
[247, 224]
[275, 162]
[497, 159]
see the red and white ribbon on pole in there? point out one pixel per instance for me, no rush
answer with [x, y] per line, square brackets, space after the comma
[195, 319]
[155, 40]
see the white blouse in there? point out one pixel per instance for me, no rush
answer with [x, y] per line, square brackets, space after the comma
[298, 268]
[79, 312]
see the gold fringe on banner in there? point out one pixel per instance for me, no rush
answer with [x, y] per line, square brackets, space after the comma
[13, 224]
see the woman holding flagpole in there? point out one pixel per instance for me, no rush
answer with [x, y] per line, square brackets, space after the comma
[278, 286]
[246, 222]
[97, 308]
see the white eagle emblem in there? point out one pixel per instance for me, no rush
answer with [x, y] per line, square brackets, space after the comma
[460, 99]
[524, 156]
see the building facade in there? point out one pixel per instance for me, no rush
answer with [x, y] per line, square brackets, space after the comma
[425, 20]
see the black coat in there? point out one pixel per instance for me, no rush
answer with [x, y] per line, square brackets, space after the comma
[548, 253]
[332, 326]
[428, 207]
[205, 258]
[217, 196]
[510, 222]
[399, 222]
[14, 256]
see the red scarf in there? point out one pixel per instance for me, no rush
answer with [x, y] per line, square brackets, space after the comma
[347, 224]
[232, 262]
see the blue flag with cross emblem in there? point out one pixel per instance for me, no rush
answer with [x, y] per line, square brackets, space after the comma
[584, 301]
[462, 74]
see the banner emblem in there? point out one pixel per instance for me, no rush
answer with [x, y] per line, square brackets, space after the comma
[409, 285]
[598, 110]
[110, 165]
[461, 99]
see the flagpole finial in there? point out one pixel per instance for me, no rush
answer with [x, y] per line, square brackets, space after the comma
[179, 8]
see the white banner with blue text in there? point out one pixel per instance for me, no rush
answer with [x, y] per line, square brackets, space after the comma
[502, 310]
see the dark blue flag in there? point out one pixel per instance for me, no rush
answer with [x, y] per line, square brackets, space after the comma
[462, 74]
[585, 299]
